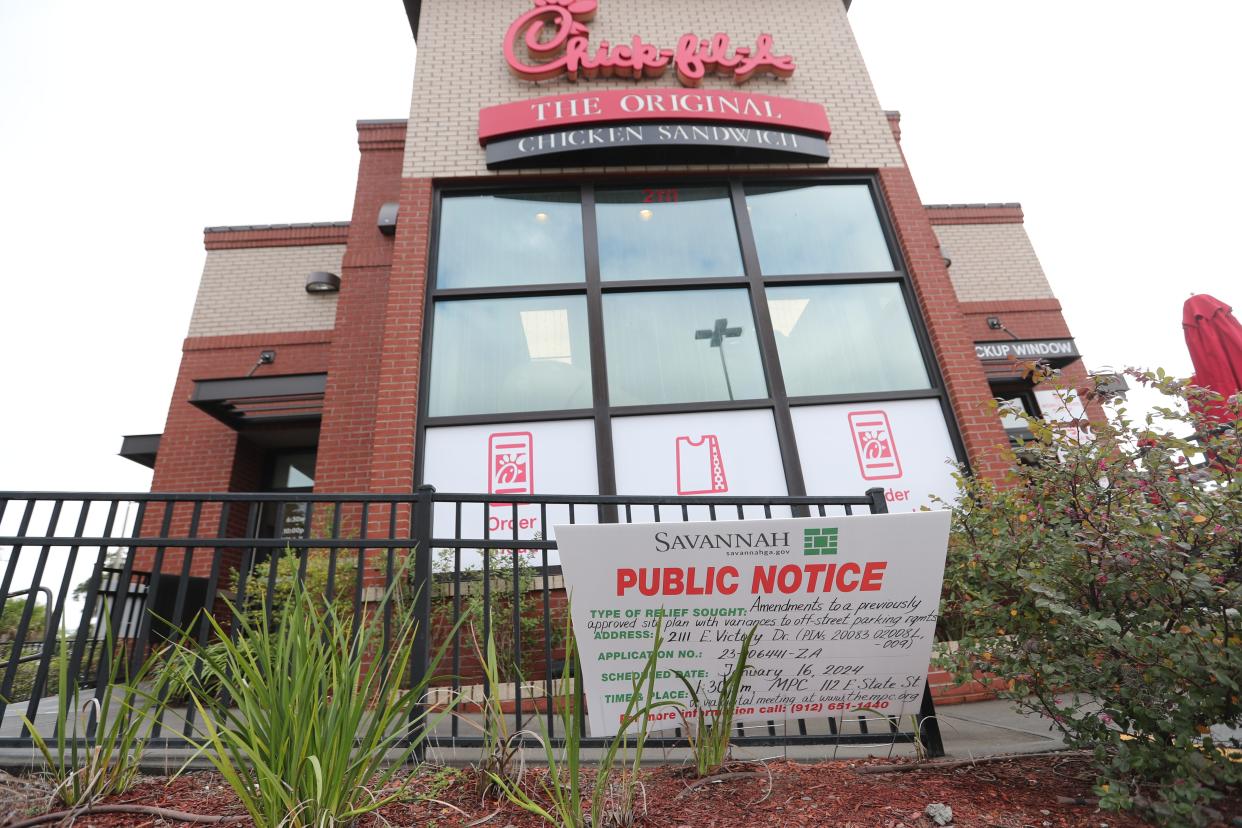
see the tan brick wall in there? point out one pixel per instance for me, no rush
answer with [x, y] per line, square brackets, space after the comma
[461, 69]
[263, 290]
[992, 262]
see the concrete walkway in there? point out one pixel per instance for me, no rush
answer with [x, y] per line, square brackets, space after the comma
[968, 730]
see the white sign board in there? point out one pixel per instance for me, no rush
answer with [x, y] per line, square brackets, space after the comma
[551, 457]
[727, 453]
[844, 610]
[902, 446]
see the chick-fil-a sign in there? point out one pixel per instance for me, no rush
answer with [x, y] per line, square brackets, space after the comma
[552, 39]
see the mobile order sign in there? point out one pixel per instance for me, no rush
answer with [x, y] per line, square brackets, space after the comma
[844, 612]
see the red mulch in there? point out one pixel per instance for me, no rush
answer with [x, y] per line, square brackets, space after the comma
[1020, 792]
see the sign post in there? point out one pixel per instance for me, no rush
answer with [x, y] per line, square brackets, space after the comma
[844, 611]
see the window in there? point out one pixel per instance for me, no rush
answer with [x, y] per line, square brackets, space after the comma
[681, 346]
[1014, 399]
[666, 233]
[845, 339]
[510, 239]
[290, 471]
[816, 228]
[491, 356]
[648, 336]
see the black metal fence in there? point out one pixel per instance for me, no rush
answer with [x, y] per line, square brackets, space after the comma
[82, 571]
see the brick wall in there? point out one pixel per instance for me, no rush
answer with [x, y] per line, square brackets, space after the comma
[198, 453]
[987, 446]
[263, 289]
[396, 403]
[351, 397]
[992, 261]
[461, 69]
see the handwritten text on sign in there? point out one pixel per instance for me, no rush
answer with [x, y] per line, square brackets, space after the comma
[844, 608]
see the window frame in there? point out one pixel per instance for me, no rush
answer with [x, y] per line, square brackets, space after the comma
[778, 402]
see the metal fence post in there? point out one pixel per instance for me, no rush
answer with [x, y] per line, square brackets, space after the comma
[928, 724]
[420, 531]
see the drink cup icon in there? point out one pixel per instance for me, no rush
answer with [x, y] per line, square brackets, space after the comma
[700, 466]
[874, 446]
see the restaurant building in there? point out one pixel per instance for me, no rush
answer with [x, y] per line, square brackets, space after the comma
[643, 247]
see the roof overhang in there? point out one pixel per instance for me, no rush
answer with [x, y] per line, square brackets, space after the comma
[141, 448]
[253, 401]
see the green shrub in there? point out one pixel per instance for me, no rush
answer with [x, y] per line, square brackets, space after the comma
[708, 721]
[527, 635]
[182, 666]
[1103, 581]
[316, 709]
[85, 766]
[24, 679]
[615, 793]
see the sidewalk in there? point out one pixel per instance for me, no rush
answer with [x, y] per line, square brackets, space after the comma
[968, 730]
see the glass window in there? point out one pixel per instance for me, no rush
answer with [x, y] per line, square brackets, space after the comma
[293, 470]
[666, 233]
[681, 346]
[510, 239]
[817, 228]
[845, 339]
[499, 355]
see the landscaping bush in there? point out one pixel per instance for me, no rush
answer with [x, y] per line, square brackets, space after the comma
[1103, 581]
[183, 669]
[317, 706]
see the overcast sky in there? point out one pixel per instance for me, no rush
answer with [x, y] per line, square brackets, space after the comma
[128, 126]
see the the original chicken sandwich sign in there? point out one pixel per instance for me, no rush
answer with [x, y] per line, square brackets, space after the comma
[620, 126]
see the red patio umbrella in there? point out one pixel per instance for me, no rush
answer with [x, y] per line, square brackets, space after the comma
[1214, 339]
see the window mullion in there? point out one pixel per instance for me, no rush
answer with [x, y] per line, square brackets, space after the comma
[790, 460]
[604, 465]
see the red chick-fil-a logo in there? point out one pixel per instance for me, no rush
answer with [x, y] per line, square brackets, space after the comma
[552, 39]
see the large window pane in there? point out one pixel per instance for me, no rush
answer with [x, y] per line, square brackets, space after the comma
[845, 339]
[817, 228]
[902, 445]
[523, 354]
[666, 233]
[681, 346]
[510, 239]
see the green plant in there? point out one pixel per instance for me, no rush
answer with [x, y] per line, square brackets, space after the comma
[1104, 581]
[25, 675]
[316, 710]
[182, 669]
[500, 750]
[562, 786]
[513, 579]
[11, 616]
[709, 730]
[85, 768]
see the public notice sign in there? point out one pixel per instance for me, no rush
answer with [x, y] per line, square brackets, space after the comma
[844, 610]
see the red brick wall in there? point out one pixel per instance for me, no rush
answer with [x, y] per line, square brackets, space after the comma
[985, 440]
[1028, 318]
[350, 399]
[198, 453]
[396, 403]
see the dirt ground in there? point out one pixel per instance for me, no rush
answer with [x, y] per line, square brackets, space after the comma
[1013, 793]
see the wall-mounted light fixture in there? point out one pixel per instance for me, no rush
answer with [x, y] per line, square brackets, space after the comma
[323, 282]
[994, 323]
[387, 220]
[265, 358]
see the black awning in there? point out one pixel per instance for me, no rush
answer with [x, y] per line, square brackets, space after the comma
[250, 401]
[141, 448]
